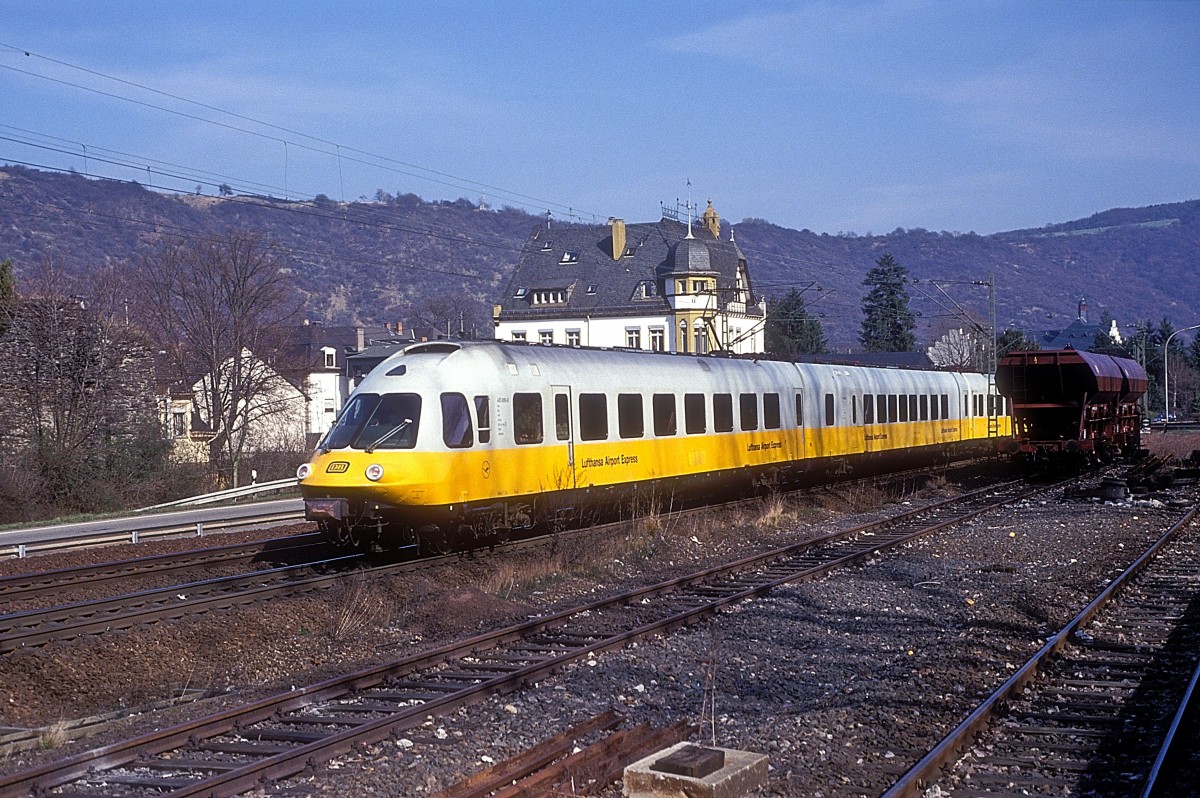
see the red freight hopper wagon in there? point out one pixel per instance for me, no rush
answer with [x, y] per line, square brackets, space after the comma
[1068, 402]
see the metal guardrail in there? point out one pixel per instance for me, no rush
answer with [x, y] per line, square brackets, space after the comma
[232, 493]
[23, 542]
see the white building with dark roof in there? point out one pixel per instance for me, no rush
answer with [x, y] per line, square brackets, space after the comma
[666, 286]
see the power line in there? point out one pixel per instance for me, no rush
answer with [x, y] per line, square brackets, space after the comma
[425, 173]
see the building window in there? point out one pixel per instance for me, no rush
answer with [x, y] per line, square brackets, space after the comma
[546, 296]
[657, 339]
[683, 335]
[633, 337]
[701, 345]
[520, 293]
[518, 335]
[546, 336]
[646, 289]
[178, 427]
[572, 337]
[591, 289]
[697, 286]
[569, 257]
[329, 408]
[330, 359]
[547, 245]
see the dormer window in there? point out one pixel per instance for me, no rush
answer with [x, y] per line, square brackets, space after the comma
[630, 251]
[547, 245]
[330, 357]
[549, 296]
[591, 289]
[646, 289]
[569, 257]
[520, 293]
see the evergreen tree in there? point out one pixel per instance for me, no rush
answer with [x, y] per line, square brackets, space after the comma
[792, 330]
[1014, 340]
[1194, 351]
[888, 322]
[8, 295]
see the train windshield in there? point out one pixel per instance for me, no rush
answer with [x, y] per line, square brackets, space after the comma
[371, 421]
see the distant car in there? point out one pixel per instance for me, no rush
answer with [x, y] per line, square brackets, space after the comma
[1159, 419]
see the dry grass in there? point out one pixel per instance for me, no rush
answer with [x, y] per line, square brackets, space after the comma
[54, 736]
[776, 512]
[358, 604]
[855, 497]
[1177, 445]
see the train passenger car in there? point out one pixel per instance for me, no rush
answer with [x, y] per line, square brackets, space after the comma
[1072, 405]
[451, 442]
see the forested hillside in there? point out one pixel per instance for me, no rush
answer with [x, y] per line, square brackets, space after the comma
[378, 261]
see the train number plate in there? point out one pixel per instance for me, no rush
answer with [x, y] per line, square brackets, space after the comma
[337, 467]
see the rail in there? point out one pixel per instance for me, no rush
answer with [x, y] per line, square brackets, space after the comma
[232, 493]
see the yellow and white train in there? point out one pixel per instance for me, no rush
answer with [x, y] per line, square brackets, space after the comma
[450, 444]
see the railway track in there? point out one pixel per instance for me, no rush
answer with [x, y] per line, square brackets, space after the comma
[232, 751]
[1093, 712]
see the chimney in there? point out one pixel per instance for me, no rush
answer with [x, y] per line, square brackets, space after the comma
[399, 328]
[618, 237]
[360, 338]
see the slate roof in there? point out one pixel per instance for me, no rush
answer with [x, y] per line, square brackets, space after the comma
[578, 258]
[1079, 334]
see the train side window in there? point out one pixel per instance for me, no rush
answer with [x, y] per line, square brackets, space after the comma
[527, 417]
[991, 400]
[829, 410]
[748, 411]
[912, 407]
[924, 407]
[799, 410]
[723, 412]
[868, 408]
[945, 405]
[853, 409]
[933, 407]
[663, 407]
[694, 422]
[456, 421]
[562, 416]
[483, 414]
[881, 403]
[903, 403]
[893, 413]
[771, 411]
[630, 421]
[966, 405]
[593, 417]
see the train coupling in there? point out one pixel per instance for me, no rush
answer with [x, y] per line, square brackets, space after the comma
[325, 509]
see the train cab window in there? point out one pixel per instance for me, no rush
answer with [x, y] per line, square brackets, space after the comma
[593, 416]
[527, 417]
[881, 410]
[933, 407]
[924, 407]
[799, 410]
[912, 407]
[748, 411]
[723, 412]
[868, 408]
[378, 422]
[945, 405]
[483, 415]
[630, 422]
[663, 408]
[829, 410]
[694, 422]
[771, 411]
[456, 421]
[893, 412]
[903, 407]
[562, 416]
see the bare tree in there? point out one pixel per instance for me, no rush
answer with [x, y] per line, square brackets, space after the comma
[452, 315]
[958, 349]
[219, 309]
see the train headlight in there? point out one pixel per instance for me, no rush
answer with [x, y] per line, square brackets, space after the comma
[303, 471]
[374, 472]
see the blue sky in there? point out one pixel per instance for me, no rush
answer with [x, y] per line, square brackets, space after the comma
[831, 116]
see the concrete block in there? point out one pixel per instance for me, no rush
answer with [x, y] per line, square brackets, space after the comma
[744, 773]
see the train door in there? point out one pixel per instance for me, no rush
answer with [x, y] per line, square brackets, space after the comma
[564, 430]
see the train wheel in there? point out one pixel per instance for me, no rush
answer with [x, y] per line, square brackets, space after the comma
[434, 540]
